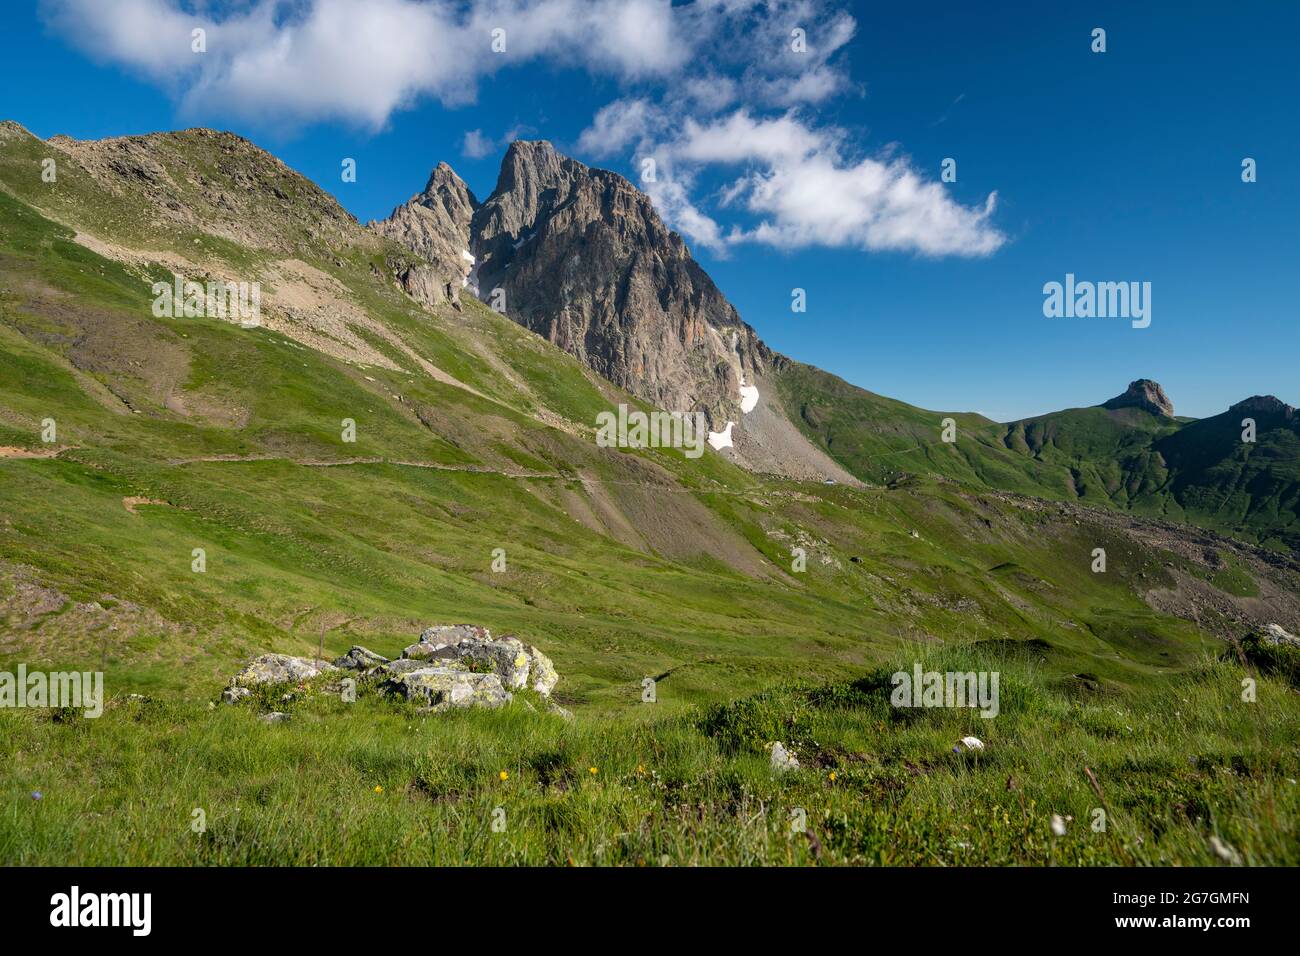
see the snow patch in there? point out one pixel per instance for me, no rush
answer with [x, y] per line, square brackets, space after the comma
[722, 439]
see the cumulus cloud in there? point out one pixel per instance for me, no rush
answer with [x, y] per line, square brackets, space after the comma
[300, 61]
[802, 184]
[360, 60]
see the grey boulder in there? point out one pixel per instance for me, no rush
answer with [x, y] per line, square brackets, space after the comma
[444, 688]
[279, 669]
[360, 659]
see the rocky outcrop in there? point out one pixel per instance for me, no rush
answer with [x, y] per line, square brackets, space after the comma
[444, 688]
[1146, 395]
[1277, 635]
[435, 225]
[279, 669]
[471, 648]
[450, 666]
[1265, 405]
[360, 659]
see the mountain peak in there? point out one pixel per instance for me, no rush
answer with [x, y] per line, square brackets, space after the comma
[10, 126]
[434, 224]
[529, 167]
[1266, 404]
[1146, 395]
[444, 178]
[447, 189]
[532, 149]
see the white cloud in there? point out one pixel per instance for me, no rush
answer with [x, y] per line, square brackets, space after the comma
[360, 60]
[476, 145]
[619, 125]
[797, 181]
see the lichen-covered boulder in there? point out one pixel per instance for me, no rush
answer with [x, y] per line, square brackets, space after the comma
[279, 669]
[443, 688]
[428, 651]
[233, 694]
[507, 658]
[360, 659]
[542, 673]
[454, 633]
[407, 664]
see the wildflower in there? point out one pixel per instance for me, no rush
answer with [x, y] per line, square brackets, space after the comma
[971, 743]
[1058, 825]
[37, 795]
[592, 771]
[503, 775]
[832, 777]
[640, 770]
[378, 789]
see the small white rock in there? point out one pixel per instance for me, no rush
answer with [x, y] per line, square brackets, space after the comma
[782, 759]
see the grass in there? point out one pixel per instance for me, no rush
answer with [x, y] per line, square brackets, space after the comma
[373, 782]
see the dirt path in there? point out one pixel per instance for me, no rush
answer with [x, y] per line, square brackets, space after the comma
[10, 451]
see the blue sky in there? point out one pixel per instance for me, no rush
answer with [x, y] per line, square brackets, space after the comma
[818, 171]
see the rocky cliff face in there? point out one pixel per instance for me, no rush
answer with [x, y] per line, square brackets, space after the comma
[583, 260]
[580, 256]
[435, 225]
[1146, 395]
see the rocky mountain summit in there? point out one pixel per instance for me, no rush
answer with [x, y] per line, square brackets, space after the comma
[434, 224]
[1146, 395]
[585, 261]
[581, 257]
[1265, 405]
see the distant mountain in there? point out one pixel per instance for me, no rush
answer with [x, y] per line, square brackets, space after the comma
[435, 225]
[1146, 395]
[1129, 452]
